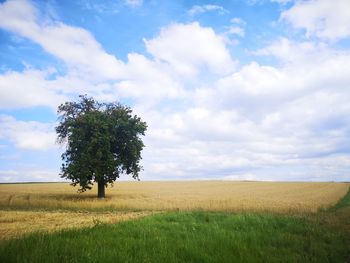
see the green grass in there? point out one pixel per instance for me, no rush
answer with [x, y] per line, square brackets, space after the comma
[186, 237]
[343, 203]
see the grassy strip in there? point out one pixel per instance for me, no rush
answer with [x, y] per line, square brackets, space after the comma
[338, 218]
[185, 237]
[344, 202]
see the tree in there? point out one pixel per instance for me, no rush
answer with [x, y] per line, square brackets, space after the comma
[102, 142]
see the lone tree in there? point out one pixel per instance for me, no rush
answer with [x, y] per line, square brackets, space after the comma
[102, 142]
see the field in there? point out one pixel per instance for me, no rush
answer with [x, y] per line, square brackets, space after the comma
[17, 223]
[224, 196]
[192, 221]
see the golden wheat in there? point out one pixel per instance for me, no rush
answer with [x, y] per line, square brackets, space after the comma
[18, 223]
[281, 197]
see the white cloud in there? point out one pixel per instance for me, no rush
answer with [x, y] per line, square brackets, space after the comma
[112, 7]
[321, 18]
[286, 113]
[29, 174]
[90, 68]
[260, 87]
[28, 135]
[29, 88]
[34, 87]
[199, 9]
[282, 2]
[190, 47]
[235, 30]
[216, 142]
[238, 21]
[271, 119]
[75, 46]
[287, 50]
[148, 81]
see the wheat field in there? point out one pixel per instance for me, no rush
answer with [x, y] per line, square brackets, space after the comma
[228, 196]
[17, 223]
[26, 208]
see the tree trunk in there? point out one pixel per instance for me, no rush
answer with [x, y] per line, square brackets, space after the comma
[101, 189]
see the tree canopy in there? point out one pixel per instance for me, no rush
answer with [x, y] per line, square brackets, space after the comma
[103, 141]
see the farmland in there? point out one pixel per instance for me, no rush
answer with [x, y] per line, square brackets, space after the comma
[224, 196]
[193, 221]
[18, 223]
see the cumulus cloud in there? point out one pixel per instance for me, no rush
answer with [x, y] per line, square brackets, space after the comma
[91, 70]
[189, 47]
[148, 81]
[310, 112]
[75, 46]
[271, 123]
[217, 142]
[199, 9]
[20, 90]
[28, 135]
[235, 30]
[288, 50]
[34, 87]
[260, 87]
[199, 143]
[321, 18]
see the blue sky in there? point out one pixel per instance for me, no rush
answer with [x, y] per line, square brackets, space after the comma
[231, 90]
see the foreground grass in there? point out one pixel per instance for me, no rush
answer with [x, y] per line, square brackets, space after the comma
[186, 237]
[343, 204]
[338, 218]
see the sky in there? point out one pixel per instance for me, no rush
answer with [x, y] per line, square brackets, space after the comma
[230, 90]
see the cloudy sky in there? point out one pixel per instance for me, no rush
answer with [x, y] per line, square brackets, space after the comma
[238, 90]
